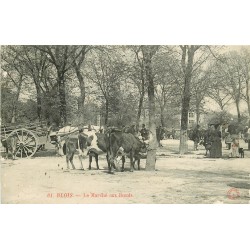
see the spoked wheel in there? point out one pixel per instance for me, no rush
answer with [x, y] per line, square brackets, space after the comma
[26, 143]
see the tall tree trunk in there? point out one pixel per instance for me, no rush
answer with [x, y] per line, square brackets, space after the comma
[186, 96]
[82, 96]
[106, 113]
[77, 67]
[248, 106]
[14, 107]
[151, 155]
[184, 118]
[62, 98]
[248, 101]
[139, 111]
[197, 114]
[237, 102]
[38, 101]
[141, 96]
[162, 116]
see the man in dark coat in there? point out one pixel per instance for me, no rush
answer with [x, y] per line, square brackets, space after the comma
[196, 137]
[144, 132]
[159, 135]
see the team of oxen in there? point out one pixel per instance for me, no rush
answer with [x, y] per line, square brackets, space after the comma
[116, 144]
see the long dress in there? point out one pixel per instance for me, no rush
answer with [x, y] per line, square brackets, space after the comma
[216, 146]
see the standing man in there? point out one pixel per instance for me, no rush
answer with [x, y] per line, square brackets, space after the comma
[196, 137]
[159, 135]
[144, 132]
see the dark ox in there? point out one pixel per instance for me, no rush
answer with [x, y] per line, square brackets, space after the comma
[10, 144]
[72, 144]
[120, 143]
[102, 145]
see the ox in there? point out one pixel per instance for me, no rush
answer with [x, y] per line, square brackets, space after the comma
[102, 142]
[99, 143]
[75, 143]
[120, 143]
[10, 144]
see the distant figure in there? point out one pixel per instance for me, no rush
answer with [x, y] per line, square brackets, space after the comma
[246, 134]
[173, 132]
[89, 128]
[215, 139]
[144, 132]
[235, 147]
[207, 143]
[228, 140]
[159, 135]
[196, 137]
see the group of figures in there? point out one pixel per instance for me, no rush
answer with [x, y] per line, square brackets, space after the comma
[143, 133]
[211, 139]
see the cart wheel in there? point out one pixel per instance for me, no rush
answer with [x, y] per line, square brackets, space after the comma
[26, 143]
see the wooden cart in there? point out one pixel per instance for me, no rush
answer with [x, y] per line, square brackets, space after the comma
[31, 137]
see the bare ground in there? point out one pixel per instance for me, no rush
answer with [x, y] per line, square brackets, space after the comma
[191, 178]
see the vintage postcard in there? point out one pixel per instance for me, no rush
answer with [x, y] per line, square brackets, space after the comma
[137, 124]
[116, 116]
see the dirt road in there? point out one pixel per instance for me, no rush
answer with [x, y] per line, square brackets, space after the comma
[187, 179]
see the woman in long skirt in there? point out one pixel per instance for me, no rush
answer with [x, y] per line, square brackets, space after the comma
[216, 146]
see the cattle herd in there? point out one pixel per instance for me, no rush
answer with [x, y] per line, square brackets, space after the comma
[115, 143]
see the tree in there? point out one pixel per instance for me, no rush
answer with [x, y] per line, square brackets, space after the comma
[15, 74]
[138, 77]
[193, 57]
[245, 63]
[167, 90]
[148, 53]
[234, 77]
[200, 89]
[37, 66]
[187, 63]
[7, 97]
[78, 66]
[62, 57]
[218, 84]
[106, 70]
[245, 66]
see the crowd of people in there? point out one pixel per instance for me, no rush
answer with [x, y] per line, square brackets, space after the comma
[212, 139]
